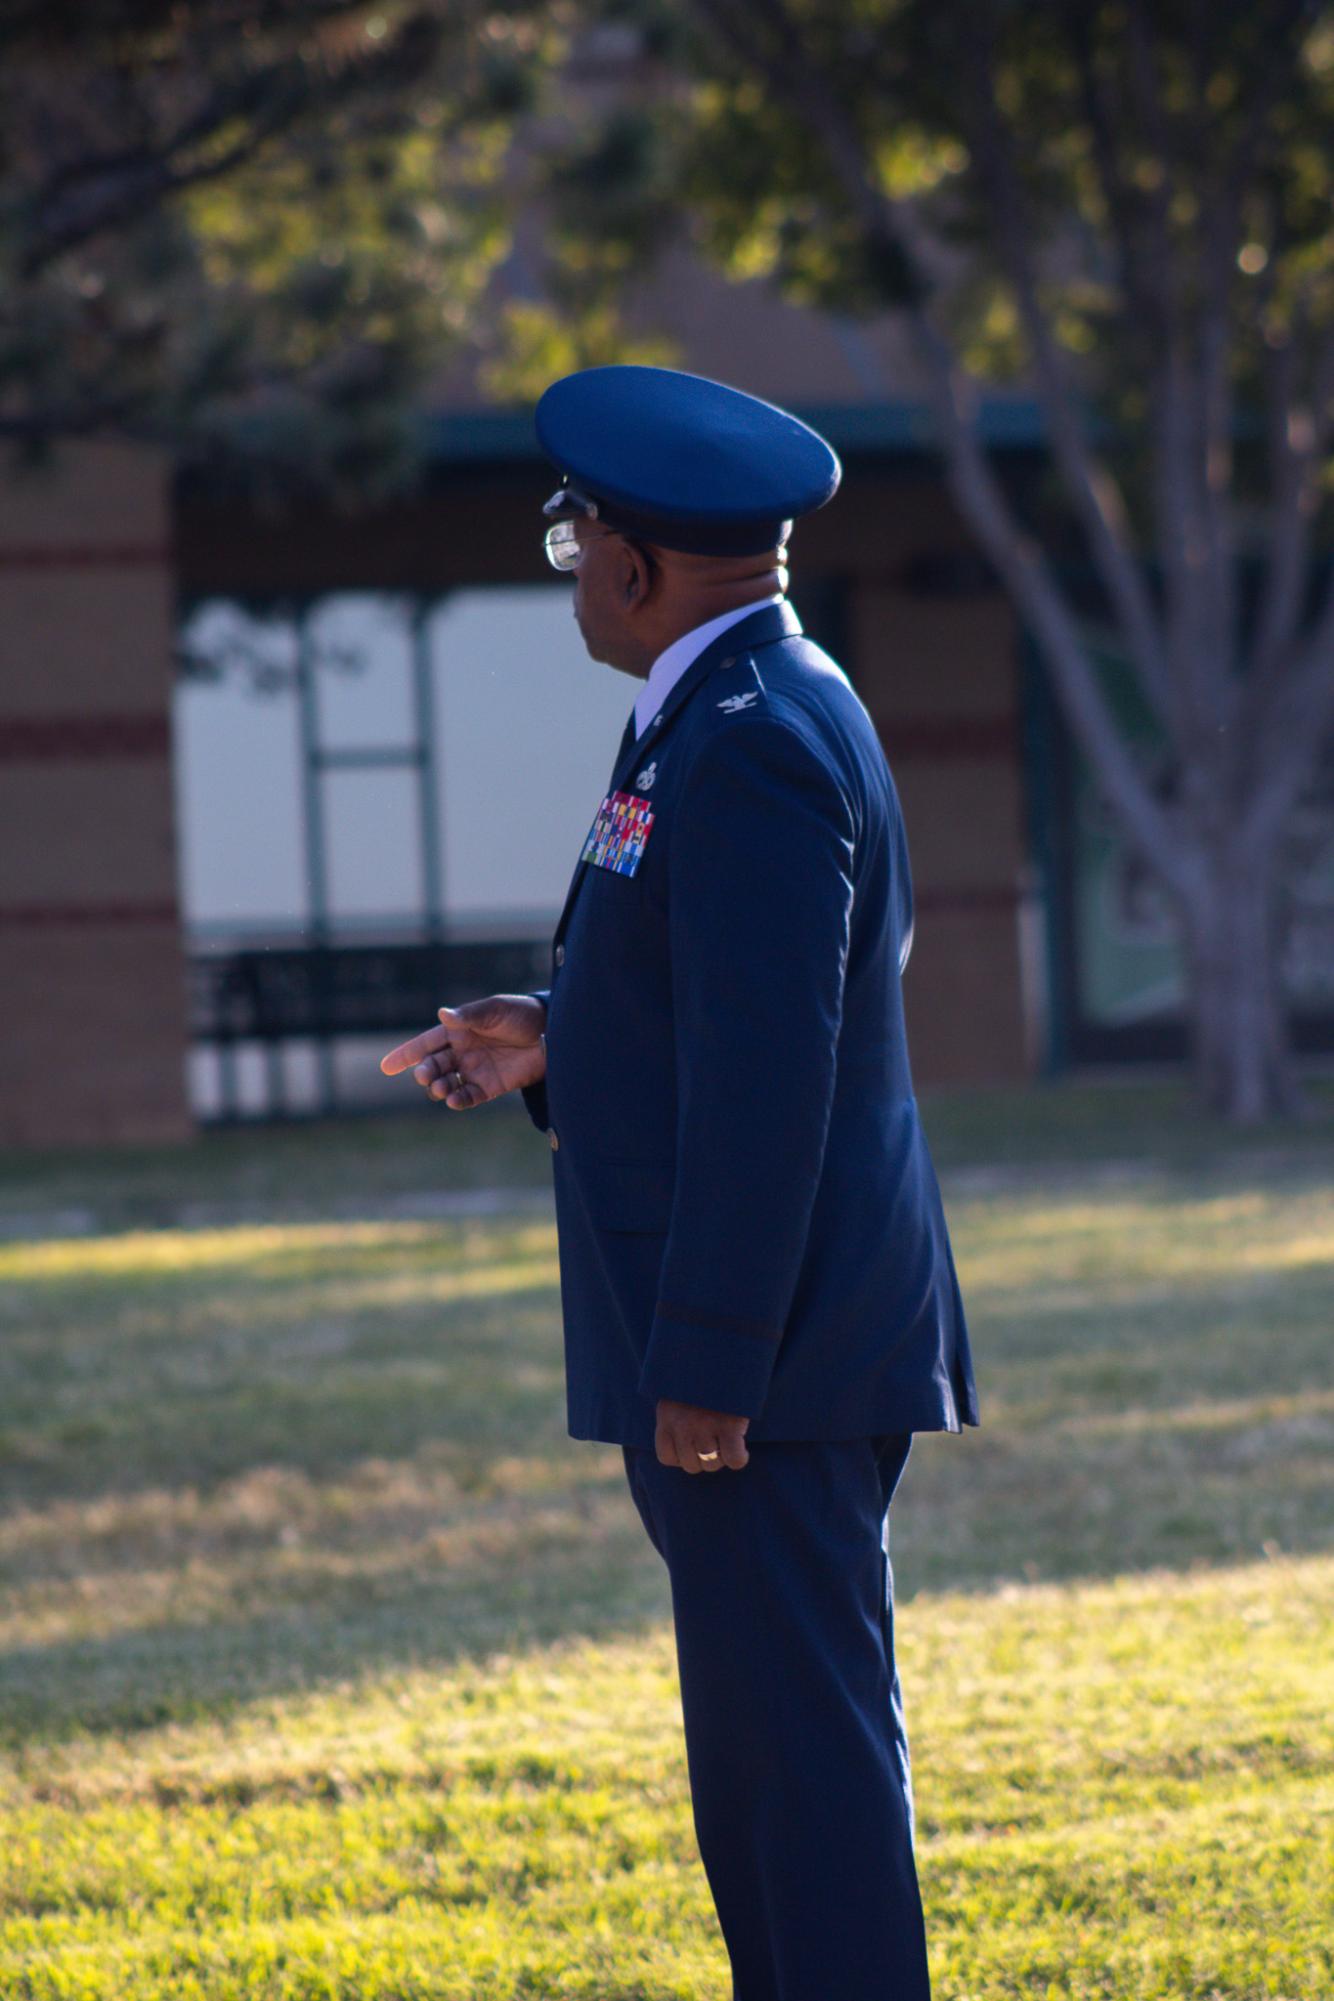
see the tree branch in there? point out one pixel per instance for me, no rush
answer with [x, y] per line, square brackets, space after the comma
[1279, 57]
[1042, 603]
[1299, 435]
[1215, 676]
[1158, 199]
[269, 101]
[1140, 229]
[889, 226]
[1297, 728]
[214, 48]
[1187, 530]
[1145, 301]
[1223, 238]
[1096, 495]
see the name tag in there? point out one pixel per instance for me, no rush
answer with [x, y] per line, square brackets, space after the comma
[619, 834]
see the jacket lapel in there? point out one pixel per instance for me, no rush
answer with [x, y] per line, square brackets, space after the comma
[770, 622]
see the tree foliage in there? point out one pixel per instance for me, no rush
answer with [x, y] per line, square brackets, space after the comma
[249, 228]
[262, 223]
[1125, 207]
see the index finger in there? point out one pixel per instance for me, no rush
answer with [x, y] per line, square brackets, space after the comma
[409, 1053]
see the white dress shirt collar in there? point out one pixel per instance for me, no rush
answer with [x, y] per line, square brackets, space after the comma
[671, 664]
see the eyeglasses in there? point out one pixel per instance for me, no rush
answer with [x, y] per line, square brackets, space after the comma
[562, 546]
[564, 549]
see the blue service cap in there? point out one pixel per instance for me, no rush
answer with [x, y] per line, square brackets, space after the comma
[680, 460]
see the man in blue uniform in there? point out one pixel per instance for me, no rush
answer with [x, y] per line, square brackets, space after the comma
[756, 1277]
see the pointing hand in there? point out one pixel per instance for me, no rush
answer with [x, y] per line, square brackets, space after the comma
[480, 1051]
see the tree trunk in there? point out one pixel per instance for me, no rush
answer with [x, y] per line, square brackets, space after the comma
[1238, 1018]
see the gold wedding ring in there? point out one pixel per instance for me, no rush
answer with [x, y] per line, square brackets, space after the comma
[706, 1455]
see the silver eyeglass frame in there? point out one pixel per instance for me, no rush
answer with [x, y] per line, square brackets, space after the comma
[560, 542]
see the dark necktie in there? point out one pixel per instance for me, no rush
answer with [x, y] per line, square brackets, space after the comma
[628, 737]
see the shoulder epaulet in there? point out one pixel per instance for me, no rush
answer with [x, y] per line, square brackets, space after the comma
[736, 687]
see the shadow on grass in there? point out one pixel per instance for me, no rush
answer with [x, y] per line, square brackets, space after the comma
[246, 1620]
[386, 1621]
[116, 1411]
[114, 1385]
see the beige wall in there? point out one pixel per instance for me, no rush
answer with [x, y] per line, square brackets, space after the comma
[92, 996]
[938, 676]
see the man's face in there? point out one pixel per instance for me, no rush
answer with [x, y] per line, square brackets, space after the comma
[605, 598]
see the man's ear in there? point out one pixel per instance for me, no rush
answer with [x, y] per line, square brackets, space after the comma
[638, 576]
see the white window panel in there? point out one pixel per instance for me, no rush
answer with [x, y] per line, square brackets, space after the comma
[240, 837]
[360, 647]
[372, 843]
[301, 1074]
[527, 728]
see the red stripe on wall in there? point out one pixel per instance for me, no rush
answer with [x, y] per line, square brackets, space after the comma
[85, 556]
[985, 737]
[82, 739]
[78, 916]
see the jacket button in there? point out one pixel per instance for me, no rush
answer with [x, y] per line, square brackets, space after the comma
[560, 955]
[555, 1141]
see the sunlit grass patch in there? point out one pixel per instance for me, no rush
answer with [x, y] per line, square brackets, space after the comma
[1160, 1232]
[1122, 1788]
[193, 1356]
[331, 1669]
[487, 1256]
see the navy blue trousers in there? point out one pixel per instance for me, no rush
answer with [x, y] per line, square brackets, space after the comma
[783, 1600]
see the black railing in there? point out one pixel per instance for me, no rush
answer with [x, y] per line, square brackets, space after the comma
[270, 995]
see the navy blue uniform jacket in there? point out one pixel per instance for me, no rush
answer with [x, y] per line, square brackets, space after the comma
[747, 1212]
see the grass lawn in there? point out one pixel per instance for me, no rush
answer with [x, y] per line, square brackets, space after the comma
[332, 1670]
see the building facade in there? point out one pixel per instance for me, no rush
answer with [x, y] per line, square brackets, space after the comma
[272, 788]
[421, 675]
[92, 954]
